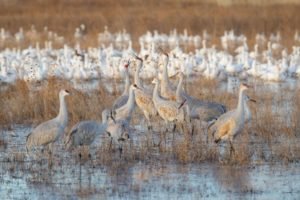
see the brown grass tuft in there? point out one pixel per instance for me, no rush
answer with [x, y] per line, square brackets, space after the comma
[272, 135]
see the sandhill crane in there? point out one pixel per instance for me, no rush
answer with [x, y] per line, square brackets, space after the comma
[125, 112]
[142, 98]
[85, 132]
[198, 109]
[118, 130]
[230, 124]
[167, 91]
[121, 100]
[48, 132]
[170, 111]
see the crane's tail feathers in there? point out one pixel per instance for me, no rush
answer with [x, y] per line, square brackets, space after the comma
[69, 136]
[27, 137]
[182, 104]
[67, 142]
[217, 140]
[211, 123]
[224, 109]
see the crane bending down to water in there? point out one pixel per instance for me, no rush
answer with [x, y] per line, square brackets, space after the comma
[85, 132]
[48, 132]
[230, 124]
[118, 131]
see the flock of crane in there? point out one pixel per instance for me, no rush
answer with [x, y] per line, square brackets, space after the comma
[173, 105]
[269, 60]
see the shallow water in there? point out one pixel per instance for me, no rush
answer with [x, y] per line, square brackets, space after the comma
[154, 181]
[25, 177]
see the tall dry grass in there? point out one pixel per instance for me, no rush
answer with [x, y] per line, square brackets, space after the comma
[20, 105]
[272, 136]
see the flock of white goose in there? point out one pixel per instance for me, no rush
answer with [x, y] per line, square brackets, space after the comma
[268, 60]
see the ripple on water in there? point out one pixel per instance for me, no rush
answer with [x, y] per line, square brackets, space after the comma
[153, 180]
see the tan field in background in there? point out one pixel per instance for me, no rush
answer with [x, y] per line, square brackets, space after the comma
[139, 16]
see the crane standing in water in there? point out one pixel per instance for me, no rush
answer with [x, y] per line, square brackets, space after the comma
[231, 123]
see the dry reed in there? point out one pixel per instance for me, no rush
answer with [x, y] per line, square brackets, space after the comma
[272, 135]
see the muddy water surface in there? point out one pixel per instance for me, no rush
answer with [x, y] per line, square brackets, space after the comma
[29, 177]
[24, 177]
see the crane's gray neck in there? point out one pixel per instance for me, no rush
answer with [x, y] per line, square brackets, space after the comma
[240, 108]
[137, 79]
[127, 83]
[179, 89]
[104, 117]
[63, 113]
[155, 95]
[246, 107]
[130, 102]
[165, 79]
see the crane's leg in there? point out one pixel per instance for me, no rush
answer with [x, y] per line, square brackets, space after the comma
[174, 128]
[182, 127]
[90, 156]
[232, 150]
[165, 135]
[149, 125]
[193, 129]
[150, 138]
[150, 134]
[120, 150]
[79, 155]
[110, 145]
[50, 147]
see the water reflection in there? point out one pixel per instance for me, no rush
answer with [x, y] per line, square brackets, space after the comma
[232, 178]
[69, 179]
[151, 181]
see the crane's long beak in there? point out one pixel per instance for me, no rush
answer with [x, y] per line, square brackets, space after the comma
[248, 86]
[136, 87]
[112, 117]
[182, 104]
[252, 100]
[138, 58]
[175, 75]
